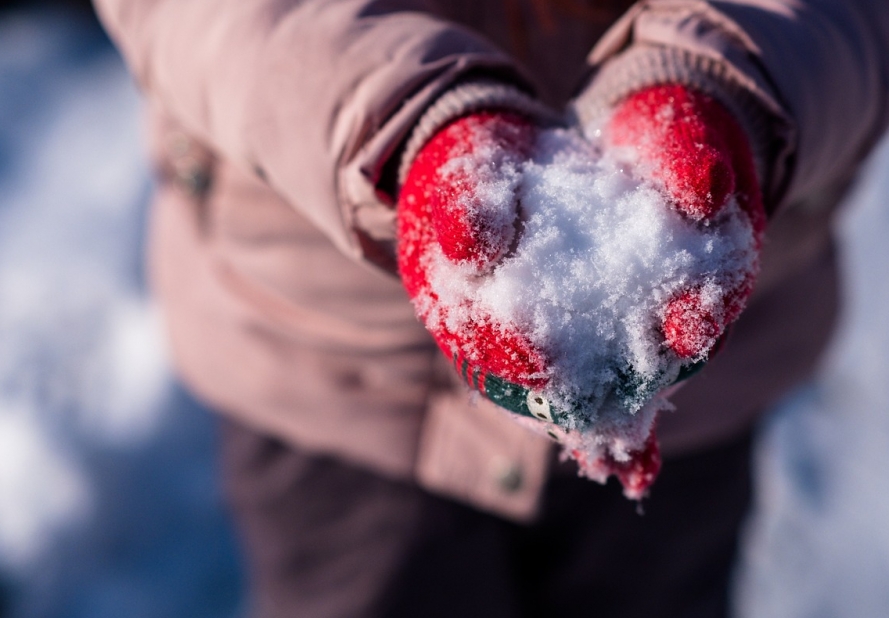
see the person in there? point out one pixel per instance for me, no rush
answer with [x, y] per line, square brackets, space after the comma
[365, 480]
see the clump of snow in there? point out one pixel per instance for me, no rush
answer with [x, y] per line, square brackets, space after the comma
[61, 497]
[600, 253]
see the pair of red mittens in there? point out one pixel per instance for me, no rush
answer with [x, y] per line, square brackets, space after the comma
[686, 142]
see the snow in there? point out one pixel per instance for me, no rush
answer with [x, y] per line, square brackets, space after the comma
[600, 256]
[818, 545]
[28, 509]
[109, 501]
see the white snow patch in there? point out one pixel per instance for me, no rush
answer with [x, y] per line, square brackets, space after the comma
[818, 544]
[600, 254]
[41, 488]
[81, 355]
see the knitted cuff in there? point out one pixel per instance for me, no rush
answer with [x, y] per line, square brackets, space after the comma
[466, 98]
[644, 66]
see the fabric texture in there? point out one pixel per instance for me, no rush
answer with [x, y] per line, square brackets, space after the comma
[314, 525]
[465, 99]
[277, 126]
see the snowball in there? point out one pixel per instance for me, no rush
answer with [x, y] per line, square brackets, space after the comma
[599, 254]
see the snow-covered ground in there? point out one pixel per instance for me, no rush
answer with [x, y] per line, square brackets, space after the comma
[109, 503]
[819, 544]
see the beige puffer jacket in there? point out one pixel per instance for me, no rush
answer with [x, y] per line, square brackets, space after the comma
[277, 126]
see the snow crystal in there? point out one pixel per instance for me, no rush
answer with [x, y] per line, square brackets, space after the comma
[600, 253]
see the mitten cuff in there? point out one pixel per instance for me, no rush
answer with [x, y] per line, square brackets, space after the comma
[644, 66]
[466, 98]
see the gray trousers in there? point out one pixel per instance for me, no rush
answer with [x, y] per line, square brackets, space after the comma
[325, 539]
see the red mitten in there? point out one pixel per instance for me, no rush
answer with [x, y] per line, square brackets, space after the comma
[696, 149]
[459, 207]
[458, 203]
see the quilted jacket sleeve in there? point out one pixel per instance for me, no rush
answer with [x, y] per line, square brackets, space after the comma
[810, 78]
[312, 95]
[316, 95]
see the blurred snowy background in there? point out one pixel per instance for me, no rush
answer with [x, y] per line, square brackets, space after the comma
[109, 501]
[818, 546]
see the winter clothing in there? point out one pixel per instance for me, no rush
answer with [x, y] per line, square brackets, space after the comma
[326, 539]
[437, 209]
[283, 130]
[459, 203]
[702, 157]
[278, 126]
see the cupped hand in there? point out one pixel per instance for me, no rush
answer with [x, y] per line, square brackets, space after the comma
[695, 149]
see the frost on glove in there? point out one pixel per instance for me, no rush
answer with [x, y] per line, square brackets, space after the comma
[696, 150]
[459, 204]
[572, 280]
